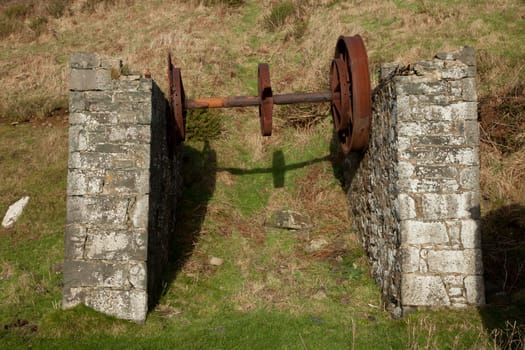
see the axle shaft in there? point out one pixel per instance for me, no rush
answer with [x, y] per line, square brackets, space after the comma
[246, 101]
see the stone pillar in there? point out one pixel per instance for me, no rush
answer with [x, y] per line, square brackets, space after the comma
[414, 194]
[118, 145]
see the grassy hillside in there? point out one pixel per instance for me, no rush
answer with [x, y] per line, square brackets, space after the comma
[272, 291]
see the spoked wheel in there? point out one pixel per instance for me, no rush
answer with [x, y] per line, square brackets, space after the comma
[352, 125]
[177, 99]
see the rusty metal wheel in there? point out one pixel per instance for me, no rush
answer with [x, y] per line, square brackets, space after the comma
[266, 98]
[351, 50]
[341, 108]
[177, 100]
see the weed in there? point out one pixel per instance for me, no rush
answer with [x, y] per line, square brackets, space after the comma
[203, 125]
[18, 11]
[512, 336]
[279, 14]
[57, 8]
[90, 6]
[26, 107]
[38, 25]
[227, 3]
[9, 26]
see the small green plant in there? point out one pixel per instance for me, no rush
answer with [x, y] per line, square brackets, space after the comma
[18, 11]
[57, 8]
[9, 26]
[203, 125]
[38, 25]
[227, 3]
[279, 15]
[90, 6]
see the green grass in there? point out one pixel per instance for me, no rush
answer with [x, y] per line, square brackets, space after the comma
[268, 293]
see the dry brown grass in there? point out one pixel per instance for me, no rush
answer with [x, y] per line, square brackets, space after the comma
[211, 57]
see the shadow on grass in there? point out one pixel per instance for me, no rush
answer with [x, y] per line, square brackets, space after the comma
[344, 166]
[503, 237]
[199, 169]
[278, 168]
[182, 181]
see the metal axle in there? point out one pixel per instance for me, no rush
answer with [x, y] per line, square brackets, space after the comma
[247, 101]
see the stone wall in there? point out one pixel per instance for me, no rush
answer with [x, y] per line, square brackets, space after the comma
[122, 189]
[414, 194]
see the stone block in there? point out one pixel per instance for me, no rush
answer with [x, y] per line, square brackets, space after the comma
[137, 275]
[128, 117]
[428, 185]
[76, 118]
[100, 101]
[469, 90]
[469, 178]
[77, 138]
[100, 210]
[75, 210]
[103, 148]
[75, 238]
[130, 134]
[441, 155]
[423, 290]
[455, 292]
[109, 245]
[388, 69]
[76, 183]
[96, 273]
[97, 119]
[450, 112]
[404, 169]
[453, 281]
[470, 234]
[95, 184]
[90, 79]
[141, 155]
[455, 70]
[410, 259]
[466, 55]
[438, 141]
[421, 232]
[125, 304]
[128, 86]
[127, 96]
[436, 171]
[438, 128]
[405, 207]
[77, 103]
[84, 60]
[475, 290]
[472, 133]
[466, 261]
[447, 206]
[422, 88]
[454, 233]
[144, 114]
[126, 181]
[139, 212]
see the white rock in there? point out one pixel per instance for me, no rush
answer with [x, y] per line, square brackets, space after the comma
[316, 245]
[14, 212]
[216, 261]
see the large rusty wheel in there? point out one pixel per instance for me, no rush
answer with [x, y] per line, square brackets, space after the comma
[177, 100]
[341, 108]
[266, 99]
[353, 133]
